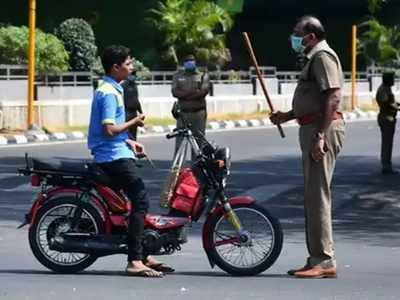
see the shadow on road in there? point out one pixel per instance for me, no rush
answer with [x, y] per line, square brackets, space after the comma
[366, 203]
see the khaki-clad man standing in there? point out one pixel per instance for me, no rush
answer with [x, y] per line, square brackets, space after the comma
[315, 106]
[191, 87]
[388, 108]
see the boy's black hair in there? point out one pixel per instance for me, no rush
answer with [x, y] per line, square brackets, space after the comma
[114, 55]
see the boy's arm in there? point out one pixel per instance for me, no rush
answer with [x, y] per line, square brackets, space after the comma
[113, 129]
[108, 112]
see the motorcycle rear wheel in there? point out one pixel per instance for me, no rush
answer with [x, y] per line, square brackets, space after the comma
[54, 218]
[265, 239]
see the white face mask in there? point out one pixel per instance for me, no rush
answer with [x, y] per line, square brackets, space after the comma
[297, 43]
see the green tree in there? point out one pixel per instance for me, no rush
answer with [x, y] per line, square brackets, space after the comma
[143, 72]
[78, 38]
[374, 6]
[380, 44]
[51, 56]
[193, 26]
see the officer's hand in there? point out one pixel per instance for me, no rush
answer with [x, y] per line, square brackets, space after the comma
[278, 117]
[318, 150]
[139, 120]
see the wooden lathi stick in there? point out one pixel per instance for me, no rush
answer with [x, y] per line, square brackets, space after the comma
[255, 64]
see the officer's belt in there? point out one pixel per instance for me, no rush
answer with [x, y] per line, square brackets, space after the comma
[311, 118]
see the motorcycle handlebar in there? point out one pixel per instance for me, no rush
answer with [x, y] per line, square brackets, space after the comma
[172, 135]
[176, 132]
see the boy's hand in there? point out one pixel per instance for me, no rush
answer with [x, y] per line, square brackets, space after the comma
[137, 148]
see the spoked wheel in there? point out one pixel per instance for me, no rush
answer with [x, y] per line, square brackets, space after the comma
[55, 218]
[252, 251]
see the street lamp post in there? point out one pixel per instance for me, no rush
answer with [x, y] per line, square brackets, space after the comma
[31, 60]
[354, 67]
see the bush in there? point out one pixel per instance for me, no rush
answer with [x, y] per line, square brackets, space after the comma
[51, 56]
[142, 71]
[78, 38]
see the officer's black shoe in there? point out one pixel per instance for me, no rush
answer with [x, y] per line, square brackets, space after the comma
[390, 172]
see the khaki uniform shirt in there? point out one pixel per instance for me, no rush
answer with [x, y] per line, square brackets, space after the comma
[387, 104]
[321, 73]
[185, 83]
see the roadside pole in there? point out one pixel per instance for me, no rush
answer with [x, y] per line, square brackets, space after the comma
[354, 99]
[31, 61]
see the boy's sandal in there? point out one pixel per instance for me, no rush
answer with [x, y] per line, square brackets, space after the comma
[161, 267]
[151, 273]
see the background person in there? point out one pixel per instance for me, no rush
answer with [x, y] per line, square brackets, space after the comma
[190, 87]
[388, 108]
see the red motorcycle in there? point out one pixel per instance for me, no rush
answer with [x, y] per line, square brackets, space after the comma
[78, 217]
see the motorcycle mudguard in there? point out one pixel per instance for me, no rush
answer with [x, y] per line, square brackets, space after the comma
[61, 191]
[246, 200]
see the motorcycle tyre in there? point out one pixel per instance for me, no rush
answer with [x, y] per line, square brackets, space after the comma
[278, 238]
[35, 247]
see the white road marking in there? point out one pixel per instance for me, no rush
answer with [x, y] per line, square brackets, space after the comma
[8, 175]
[25, 187]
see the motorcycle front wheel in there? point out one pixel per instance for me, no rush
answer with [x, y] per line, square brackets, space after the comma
[56, 217]
[254, 250]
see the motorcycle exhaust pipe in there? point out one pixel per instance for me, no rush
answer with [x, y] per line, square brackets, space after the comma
[89, 244]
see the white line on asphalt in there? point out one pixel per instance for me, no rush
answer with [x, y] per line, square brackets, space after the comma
[26, 187]
[8, 175]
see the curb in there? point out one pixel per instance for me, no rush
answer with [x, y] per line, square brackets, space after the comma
[229, 124]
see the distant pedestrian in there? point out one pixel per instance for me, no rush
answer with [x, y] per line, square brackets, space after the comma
[388, 108]
[131, 102]
[315, 106]
[191, 87]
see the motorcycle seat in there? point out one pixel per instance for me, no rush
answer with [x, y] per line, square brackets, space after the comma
[75, 166]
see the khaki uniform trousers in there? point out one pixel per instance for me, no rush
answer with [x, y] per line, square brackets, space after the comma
[197, 121]
[317, 193]
[388, 128]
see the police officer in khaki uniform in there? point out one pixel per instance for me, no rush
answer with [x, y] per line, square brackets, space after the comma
[388, 108]
[315, 106]
[191, 86]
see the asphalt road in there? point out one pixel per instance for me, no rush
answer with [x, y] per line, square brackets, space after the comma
[366, 225]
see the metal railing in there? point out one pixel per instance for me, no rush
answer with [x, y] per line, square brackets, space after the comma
[13, 72]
